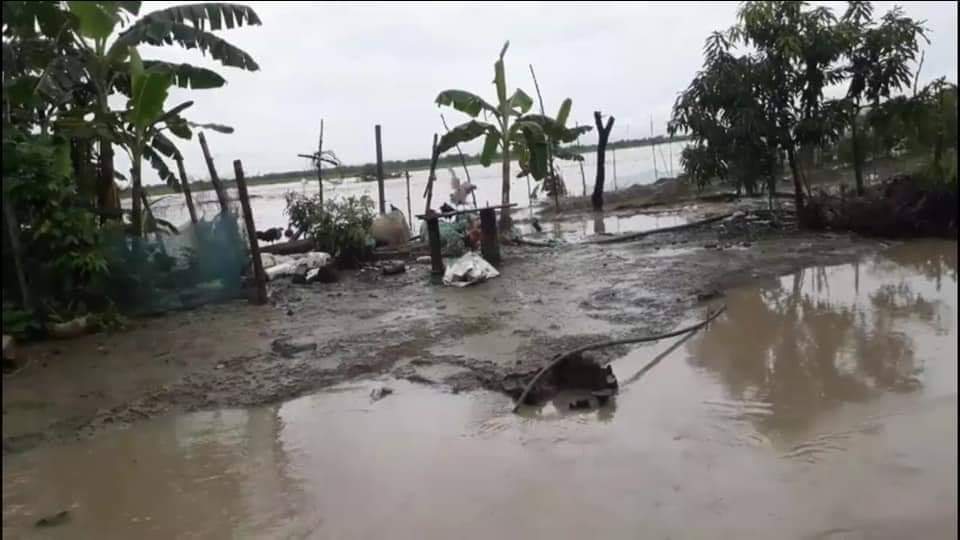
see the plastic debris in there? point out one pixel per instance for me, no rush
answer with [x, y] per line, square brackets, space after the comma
[468, 270]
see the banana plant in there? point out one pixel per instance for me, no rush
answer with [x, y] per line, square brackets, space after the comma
[105, 50]
[512, 131]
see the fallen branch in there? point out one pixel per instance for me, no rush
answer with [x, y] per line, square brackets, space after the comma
[644, 234]
[605, 344]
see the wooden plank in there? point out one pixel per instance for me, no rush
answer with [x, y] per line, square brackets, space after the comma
[466, 211]
[260, 277]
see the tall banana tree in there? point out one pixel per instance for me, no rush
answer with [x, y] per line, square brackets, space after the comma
[512, 131]
[104, 65]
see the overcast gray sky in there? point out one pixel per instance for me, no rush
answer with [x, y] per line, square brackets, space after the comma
[356, 65]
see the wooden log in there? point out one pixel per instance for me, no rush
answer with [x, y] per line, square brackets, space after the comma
[489, 241]
[187, 195]
[436, 258]
[259, 275]
[214, 177]
[383, 201]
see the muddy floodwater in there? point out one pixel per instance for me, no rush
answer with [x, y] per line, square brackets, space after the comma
[822, 404]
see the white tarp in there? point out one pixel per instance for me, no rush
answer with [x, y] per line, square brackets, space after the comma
[468, 270]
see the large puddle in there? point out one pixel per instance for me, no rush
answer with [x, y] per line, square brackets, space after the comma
[821, 405]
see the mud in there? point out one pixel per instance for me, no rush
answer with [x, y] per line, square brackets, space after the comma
[821, 404]
[491, 336]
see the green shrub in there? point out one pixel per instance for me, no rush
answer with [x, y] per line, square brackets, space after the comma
[339, 226]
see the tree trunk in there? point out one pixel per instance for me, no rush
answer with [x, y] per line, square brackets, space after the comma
[136, 213]
[604, 133]
[797, 184]
[106, 188]
[857, 152]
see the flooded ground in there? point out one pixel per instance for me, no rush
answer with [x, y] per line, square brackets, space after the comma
[822, 404]
[578, 228]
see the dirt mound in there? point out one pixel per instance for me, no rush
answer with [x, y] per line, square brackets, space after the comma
[899, 208]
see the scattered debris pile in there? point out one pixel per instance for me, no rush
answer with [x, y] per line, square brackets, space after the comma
[900, 207]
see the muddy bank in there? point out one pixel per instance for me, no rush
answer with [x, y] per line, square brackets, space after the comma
[821, 404]
[489, 336]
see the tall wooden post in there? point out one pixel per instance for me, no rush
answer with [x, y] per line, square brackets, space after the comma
[383, 202]
[436, 257]
[489, 243]
[409, 206]
[603, 132]
[214, 177]
[320, 165]
[186, 190]
[260, 277]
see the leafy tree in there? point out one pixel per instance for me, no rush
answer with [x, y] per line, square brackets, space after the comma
[878, 58]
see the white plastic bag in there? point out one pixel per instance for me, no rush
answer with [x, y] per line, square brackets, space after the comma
[468, 270]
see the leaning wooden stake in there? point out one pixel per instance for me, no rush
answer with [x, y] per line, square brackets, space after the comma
[259, 276]
[383, 201]
[428, 191]
[187, 195]
[605, 344]
[553, 172]
[214, 177]
[320, 165]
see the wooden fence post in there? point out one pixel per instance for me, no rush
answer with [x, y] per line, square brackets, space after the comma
[409, 207]
[186, 190]
[383, 202]
[260, 277]
[214, 177]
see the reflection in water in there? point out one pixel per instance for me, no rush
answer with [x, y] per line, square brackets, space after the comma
[826, 336]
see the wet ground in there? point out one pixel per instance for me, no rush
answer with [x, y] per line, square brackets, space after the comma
[822, 404]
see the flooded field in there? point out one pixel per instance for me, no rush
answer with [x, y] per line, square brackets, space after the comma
[634, 166]
[822, 404]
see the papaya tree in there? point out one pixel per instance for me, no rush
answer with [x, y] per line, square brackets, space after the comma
[512, 131]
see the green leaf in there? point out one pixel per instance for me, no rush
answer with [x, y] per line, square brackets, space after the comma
[464, 132]
[500, 79]
[564, 112]
[520, 100]
[489, 148]
[168, 26]
[188, 76]
[160, 166]
[149, 91]
[96, 19]
[465, 102]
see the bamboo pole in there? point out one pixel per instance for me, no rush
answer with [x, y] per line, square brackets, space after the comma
[653, 150]
[553, 172]
[583, 175]
[186, 190]
[260, 277]
[214, 177]
[383, 202]
[320, 165]
[428, 192]
[409, 211]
